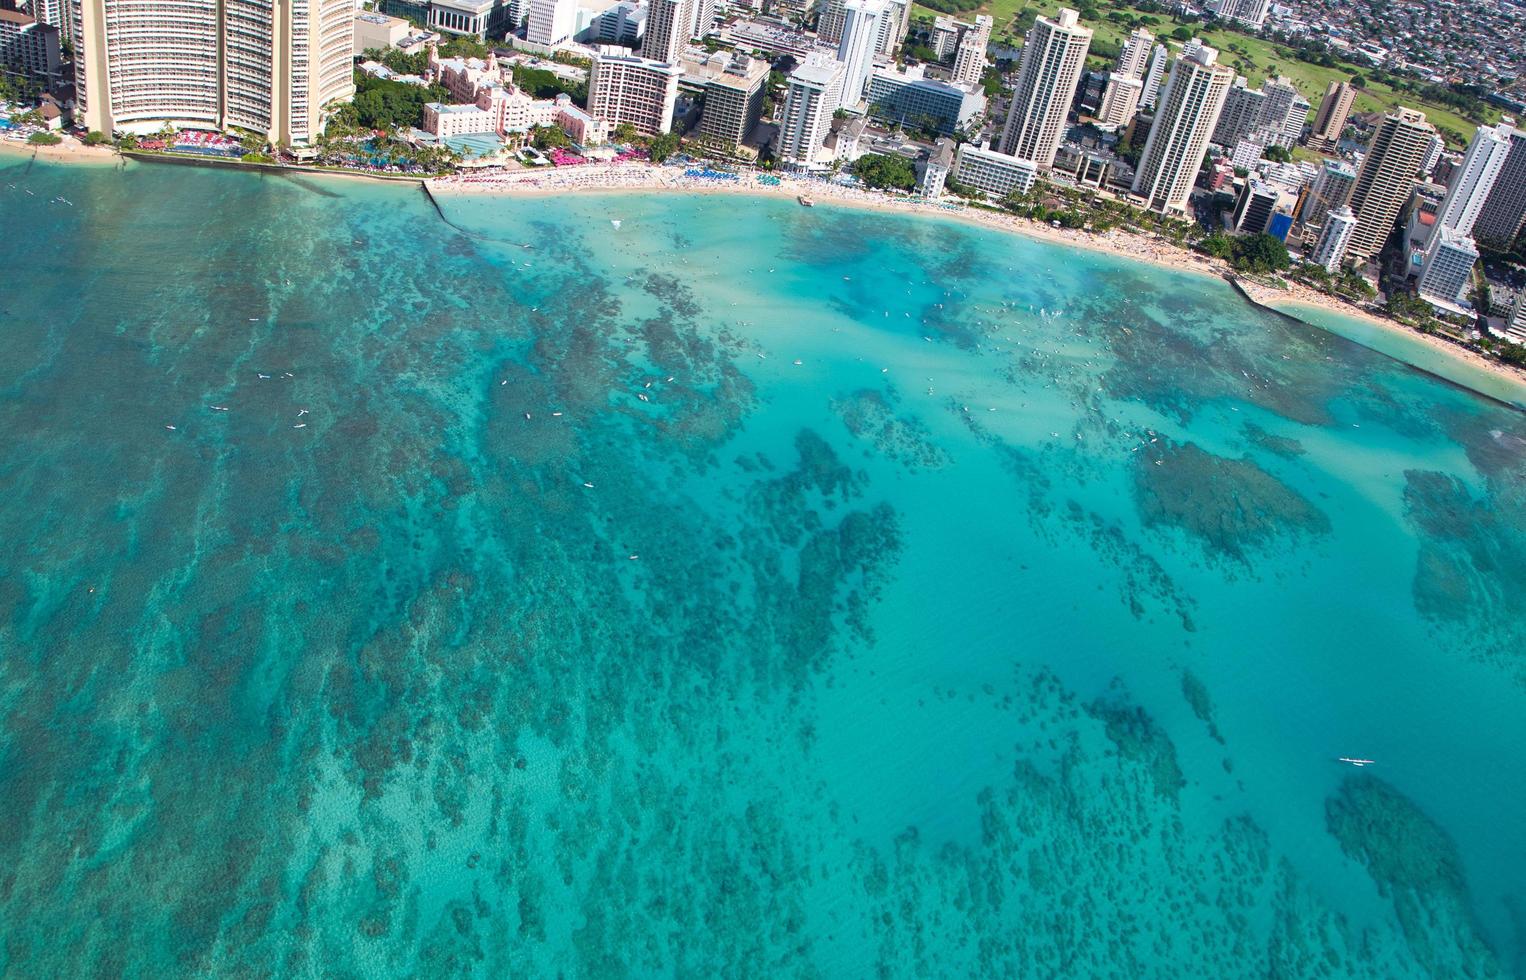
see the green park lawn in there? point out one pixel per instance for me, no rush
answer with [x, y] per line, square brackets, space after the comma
[1252, 57]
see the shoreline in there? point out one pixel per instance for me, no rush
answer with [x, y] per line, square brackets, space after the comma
[636, 178]
[1298, 298]
[70, 150]
[279, 169]
[641, 178]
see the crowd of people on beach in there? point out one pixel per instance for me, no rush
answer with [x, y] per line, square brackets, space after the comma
[640, 176]
[679, 177]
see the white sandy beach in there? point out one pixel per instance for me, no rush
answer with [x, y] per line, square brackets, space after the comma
[70, 150]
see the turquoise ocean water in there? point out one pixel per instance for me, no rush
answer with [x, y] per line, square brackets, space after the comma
[745, 591]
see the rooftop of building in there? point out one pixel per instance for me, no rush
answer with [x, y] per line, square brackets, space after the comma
[450, 109]
[742, 73]
[476, 7]
[816, 71]
[914, 75]
[621, 56]
[1456, 240]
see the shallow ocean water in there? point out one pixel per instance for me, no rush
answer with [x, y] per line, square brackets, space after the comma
[943, 603]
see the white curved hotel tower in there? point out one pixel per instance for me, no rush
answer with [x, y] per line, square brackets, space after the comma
[270, 66]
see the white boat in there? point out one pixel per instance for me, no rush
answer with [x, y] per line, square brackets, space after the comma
[1359, 763]
[615, 222]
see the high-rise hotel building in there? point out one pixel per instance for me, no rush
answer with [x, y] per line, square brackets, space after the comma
[270, 67]
[1331, 120]
[859, 46]
[813, 95]
[1330, 251]
[1474, 178]
[1188, 112]
[1386, 178]
[1053, 56]
[623, 88]
[1504, 211]
[668, 26]
[970, 55]
[1134, 56]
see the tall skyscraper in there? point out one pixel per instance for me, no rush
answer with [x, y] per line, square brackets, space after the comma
[893, 24]
[1448, 269]
[1298, 119]
[733, 103]
[1515, 323]
[272, 69]
[1504, 211]
[1251, 13]
[1120, 100]
[1331, 190]
[1388, 174]
[1135, 55]
[54, 13]
[551, 21]
[704, 18]
[1254, 207]
[1433, 151]
[830, 17]
[668, 26]
[1474, 178]
[1054, 53]
[1241, 115]
[860, 40]
[1284, 112]
[970, 56]
[1330, 122]
[1330, 252]
[623, 88]
[814, 92]
[1189, 110]
[1159, 61]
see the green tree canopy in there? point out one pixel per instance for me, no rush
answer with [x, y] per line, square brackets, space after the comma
[881, 171]
[1259, 253]
[380, 104]
[548, 138]
[663, 146]
[399, 61]
[543, 84]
